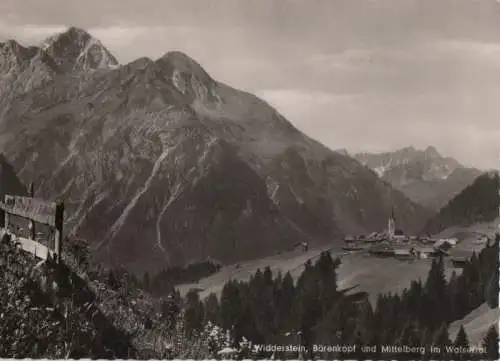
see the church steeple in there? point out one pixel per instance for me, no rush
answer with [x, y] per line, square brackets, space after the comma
[391, 225]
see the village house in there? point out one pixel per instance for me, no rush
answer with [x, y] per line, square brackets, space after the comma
[425, 252]
[459, 261]
[349, 239]
[401, 238]
[460, 258]
[371, 240]
[404, 254]
[353, 247]
[426, 240]
[382, 251]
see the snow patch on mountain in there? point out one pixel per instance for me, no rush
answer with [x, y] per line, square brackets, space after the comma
[76, 50]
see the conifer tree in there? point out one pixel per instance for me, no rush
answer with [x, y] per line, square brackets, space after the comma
[193, 315]
[211, 308]
[436, 293]
[442, 340]
[245, 327]
[490, 343]
[170, 310]
[284, 315]
[492, 290]
[462, 341]
[229, 305]
[475, 282]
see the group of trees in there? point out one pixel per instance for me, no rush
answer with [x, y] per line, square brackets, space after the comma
[421, 314]
[162, 283]
[477, 203]
[275, 310]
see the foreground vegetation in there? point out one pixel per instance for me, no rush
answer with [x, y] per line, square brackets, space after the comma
[46, 311]
[77, 310]
[80, 310]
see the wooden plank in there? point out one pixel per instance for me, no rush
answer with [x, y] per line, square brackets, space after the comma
[31, 224]
[58, 237]
[35, 248]
[32, 208]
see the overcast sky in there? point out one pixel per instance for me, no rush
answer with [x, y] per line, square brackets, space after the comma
[363, 75]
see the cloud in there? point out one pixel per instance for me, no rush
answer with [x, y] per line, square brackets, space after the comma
[353, 74]
[28, 33]
[465, 128]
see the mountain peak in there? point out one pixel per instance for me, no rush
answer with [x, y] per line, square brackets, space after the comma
[185, 65]
[79, 32]
[187, 76]
[14, 57]
[76, 50]
[424, 175]
[13, 49]
[409, 149]
[432, 152]
[10, 44]
[75, 33]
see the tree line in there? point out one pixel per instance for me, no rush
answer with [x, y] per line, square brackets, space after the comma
[273, 309]
[159, 284]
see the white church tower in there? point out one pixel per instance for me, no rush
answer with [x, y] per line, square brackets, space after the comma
[391, 226]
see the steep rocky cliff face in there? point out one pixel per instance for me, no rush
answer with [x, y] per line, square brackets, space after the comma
[159, 163]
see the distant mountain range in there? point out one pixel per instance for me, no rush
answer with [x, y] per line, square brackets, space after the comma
[477, 203]
[425, 176]
[159, 163]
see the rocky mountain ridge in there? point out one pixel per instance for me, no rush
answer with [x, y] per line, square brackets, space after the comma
[425, 176]
[159, 163]
[76, 50]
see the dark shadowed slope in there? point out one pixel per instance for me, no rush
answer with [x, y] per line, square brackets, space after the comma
[9, 183]
[477, 203]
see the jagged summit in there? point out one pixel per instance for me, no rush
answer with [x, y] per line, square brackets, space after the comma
[76, 50]
[409, 149]
[425, 176]
[432, 152]
[159, 163]
[13, 50]
[10, 45]
[184, 64]
[23, 68]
